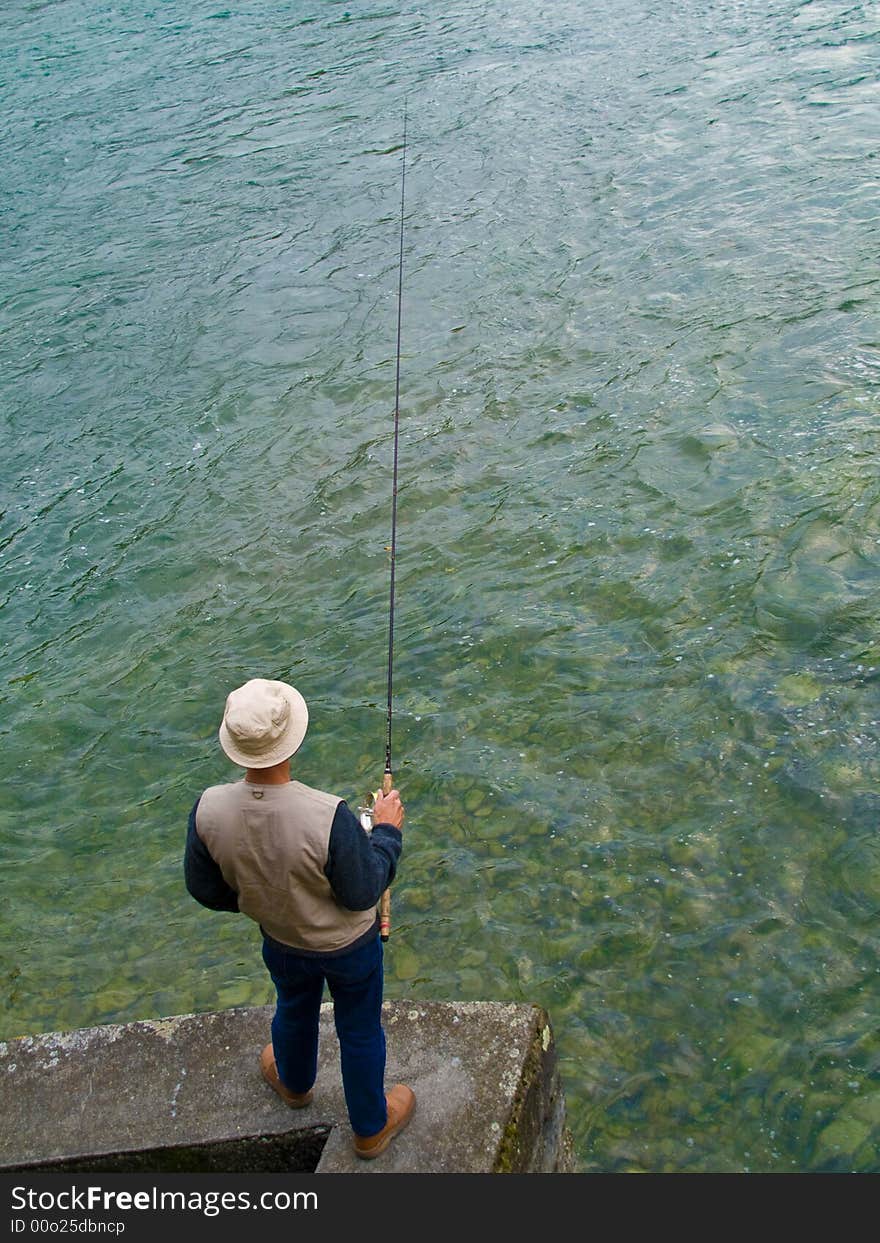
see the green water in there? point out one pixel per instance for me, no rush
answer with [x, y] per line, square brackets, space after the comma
[637, 654]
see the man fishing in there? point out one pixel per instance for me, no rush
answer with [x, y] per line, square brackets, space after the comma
[299, 863]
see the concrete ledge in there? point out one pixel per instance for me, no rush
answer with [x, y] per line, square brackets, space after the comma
[184, 1094]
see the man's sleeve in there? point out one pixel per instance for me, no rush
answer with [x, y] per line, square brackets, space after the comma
[360, 865]
[203, 877]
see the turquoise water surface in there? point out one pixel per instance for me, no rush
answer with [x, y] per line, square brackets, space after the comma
[637, 726]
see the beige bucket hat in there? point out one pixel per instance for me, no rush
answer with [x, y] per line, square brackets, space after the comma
[264, 722]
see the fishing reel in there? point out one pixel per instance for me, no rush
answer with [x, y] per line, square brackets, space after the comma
[366, 813]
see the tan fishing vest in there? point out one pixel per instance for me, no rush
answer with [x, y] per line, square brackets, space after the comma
[270, 842]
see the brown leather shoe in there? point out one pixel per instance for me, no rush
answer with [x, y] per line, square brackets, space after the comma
[401, 1103]
[269, 1071]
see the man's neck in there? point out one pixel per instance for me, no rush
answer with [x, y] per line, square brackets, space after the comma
[277, 775]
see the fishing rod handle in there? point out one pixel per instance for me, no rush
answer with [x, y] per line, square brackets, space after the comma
[385, 900]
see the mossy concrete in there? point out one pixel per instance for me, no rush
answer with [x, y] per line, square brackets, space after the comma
[185, 1094]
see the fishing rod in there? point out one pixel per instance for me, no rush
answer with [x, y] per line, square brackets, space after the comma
[394, 471]
[387, 778]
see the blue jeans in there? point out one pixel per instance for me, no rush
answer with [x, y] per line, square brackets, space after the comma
[355, 982]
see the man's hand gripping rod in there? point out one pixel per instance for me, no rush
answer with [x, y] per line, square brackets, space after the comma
[367, 823]
[385, 900]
